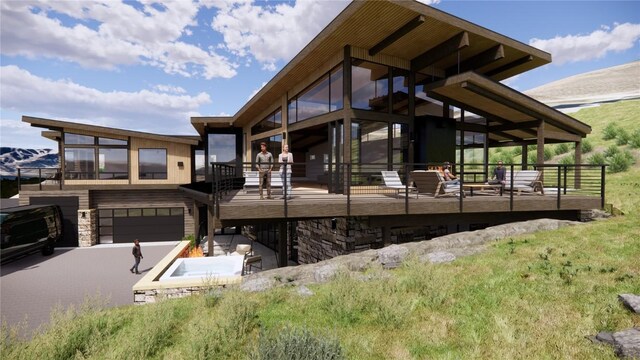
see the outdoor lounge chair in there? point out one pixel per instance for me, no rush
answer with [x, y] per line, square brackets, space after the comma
[392, 181]
[432, 182]
[252, 181]
[527, 181]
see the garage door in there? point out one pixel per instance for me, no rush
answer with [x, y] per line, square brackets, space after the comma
[147, 224]
[69, 206]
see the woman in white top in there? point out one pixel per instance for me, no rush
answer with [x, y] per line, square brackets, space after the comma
[286, 161]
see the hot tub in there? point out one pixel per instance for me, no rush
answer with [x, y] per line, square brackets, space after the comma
[204, 268]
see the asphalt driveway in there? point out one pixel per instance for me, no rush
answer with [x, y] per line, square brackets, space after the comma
[31, 286]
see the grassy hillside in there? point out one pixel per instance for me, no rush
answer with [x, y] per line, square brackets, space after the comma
[527, 297]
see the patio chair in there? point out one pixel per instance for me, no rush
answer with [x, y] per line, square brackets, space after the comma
[527, 181]
[432, 182]
[392, 181]
[251, 262]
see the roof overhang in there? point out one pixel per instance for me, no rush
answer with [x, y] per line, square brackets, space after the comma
[65, 126]
[430, 39]
[201, 123]
[511, 115]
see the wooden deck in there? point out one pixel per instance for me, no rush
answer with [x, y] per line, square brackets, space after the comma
[310, 202]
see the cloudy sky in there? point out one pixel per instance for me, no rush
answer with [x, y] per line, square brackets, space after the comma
[149, 65]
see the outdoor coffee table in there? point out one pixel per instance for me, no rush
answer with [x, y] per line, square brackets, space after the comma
[482, 186]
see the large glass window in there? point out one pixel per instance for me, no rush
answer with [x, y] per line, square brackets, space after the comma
[336, 89]
[400, 91]
[222, 148]
[323, 96]
[369, 86]
[369, 142]
[400, 143]
[113, 163]
[273, 121]
[77, 139]
[152, 164]
[274, 146]
[424, 105]
[79, 163]
[109, 141]
[315, 100]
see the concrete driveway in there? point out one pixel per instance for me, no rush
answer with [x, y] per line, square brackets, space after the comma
[31, 286]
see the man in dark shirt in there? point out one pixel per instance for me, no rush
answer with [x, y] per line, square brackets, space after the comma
[137, 254]
[264, 163]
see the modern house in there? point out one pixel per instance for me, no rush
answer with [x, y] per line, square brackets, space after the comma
[387, 85]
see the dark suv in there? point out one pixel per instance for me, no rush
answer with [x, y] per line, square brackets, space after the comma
[29, 228]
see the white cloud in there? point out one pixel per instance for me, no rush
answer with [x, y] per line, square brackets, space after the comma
[170, 89]
[574, 48]
[25, 93]
[108, 34]
[272, 33]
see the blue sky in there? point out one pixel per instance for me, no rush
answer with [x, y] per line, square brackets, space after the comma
[150, 65]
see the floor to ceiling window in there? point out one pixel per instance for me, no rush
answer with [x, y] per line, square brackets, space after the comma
[369, 86]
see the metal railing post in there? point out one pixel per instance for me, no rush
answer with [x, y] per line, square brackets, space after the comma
[511, 192]
[349, 171]
[19, 181]
[284, 191]
[461, 183]
[40, 178]
[566, 169]
[406, 189]
[558, 187]
[602, 187]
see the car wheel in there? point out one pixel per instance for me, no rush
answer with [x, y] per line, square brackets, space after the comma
[47, 249]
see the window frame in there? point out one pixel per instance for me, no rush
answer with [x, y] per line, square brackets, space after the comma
[166, 165]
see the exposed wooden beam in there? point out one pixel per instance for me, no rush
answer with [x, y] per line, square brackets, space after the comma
[438, 52]
[511, 104]
[478, 61]
[484, 114]
[557, 135]
[509, 66]
[396, 35]
[515, 126]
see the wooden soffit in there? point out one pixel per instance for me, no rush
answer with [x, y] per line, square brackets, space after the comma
[201, 123]
[404, 30]
[510, 113]
[60, 126]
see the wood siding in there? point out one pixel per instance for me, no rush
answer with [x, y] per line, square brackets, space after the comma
[83, 196]
[175, 153]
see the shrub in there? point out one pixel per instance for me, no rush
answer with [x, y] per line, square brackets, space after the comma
[561, 148]
[290, 344]
[597, 159]
[619, 162]
[610, 131]
[517, 151]
[568, 160]
[623, 137]
[634, 139]
[586, 146]
[548, 154]
[532, 158]
[611, 151]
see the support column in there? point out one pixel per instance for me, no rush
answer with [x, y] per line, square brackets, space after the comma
[210, 229]
[578, 163]
[283, 257]
[87, 227]
[195, 214]
[540, 150]
[525, 156]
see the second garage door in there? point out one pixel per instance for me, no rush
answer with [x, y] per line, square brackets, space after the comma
[148, 224]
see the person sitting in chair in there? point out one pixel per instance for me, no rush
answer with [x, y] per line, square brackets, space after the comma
[499, 175]
[449, 177]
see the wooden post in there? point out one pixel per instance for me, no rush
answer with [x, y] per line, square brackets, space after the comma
[195, 214]
[283, 258]
[578, 163]
[525, 156]
[210, 229]
[540, 145]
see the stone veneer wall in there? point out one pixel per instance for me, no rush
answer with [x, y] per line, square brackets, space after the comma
[87, 227]
[317, 240]
[141, 297]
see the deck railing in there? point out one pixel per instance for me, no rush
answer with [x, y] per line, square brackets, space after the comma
[321, 181]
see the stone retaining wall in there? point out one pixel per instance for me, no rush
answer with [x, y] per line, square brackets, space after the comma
[87, 227]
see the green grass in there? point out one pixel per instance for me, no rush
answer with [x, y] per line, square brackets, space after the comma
[534, 296]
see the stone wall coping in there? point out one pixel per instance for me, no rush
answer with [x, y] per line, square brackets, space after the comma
[149, 280]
